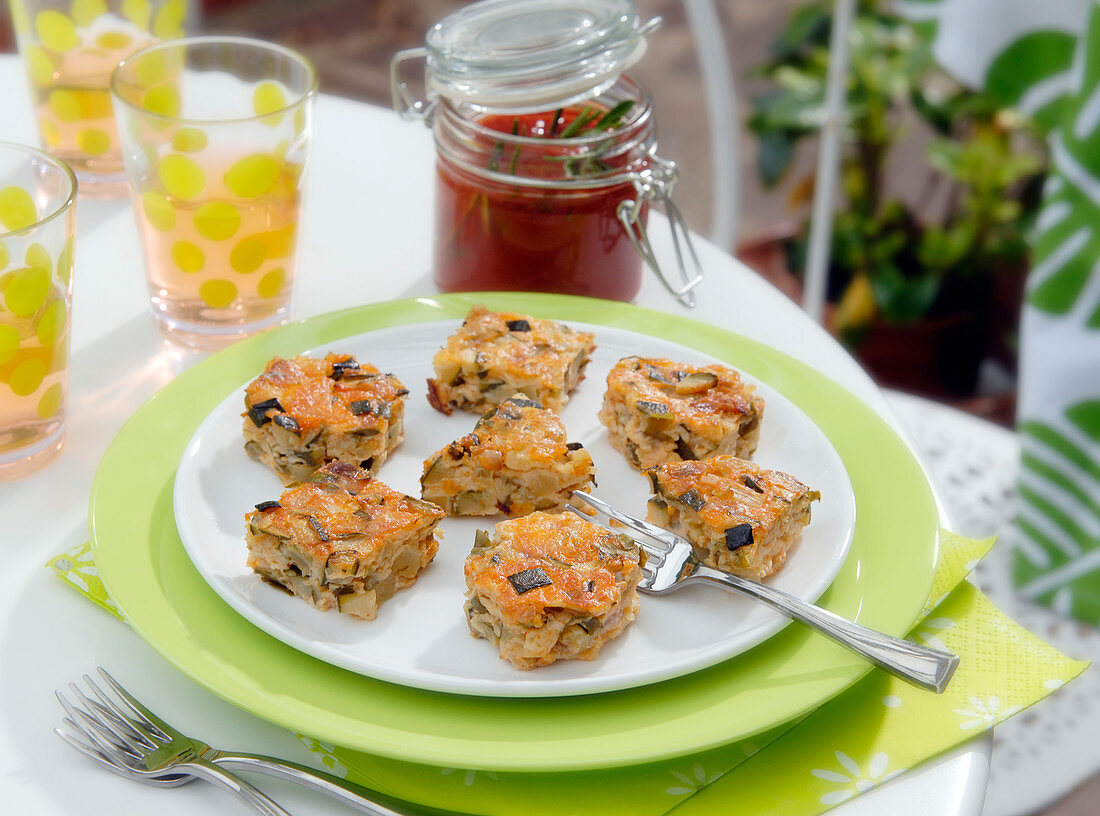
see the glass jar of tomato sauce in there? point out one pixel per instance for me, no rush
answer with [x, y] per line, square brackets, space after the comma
[546, 151]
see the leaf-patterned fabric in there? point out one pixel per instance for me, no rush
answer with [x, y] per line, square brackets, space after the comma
[1044, 58]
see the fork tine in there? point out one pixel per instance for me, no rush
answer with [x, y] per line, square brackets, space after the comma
[576, 511]
[108, 708]
[651, 551]
[108, 722]
[74, 734]
[102, 740]
[651, 531]
[102, 744]
[159, 726]
[647, 545]
[86, 748]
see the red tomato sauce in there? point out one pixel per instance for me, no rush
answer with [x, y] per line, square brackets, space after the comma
[494, 235]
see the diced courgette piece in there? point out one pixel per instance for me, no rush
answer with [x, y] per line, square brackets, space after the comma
[258, 412]
[616, 546]
[739, 536]
[469, 503]
[407, 562]
[576, 366]
[343, 367]
[696, 382]
[305, 589]
[684, 451]
[589, 624]
[341, 565]
[528, 579]
[434, 472]
[474, 606]
[287, 423]
[654, 410]
[363, 605]
[521, 401]
[319, 528]
[693, 500]
[296, 557]
[450, 372]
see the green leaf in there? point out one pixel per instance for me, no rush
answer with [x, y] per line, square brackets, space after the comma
[808, 26]
[903, 300]
[773, 156]
[936, 114]
[946, 156]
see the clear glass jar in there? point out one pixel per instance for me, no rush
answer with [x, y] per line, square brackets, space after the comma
[546, 153]
[534, 212]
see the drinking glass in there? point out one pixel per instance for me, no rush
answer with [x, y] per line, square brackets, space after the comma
[36, 266]
[69, 49]
[215, 136]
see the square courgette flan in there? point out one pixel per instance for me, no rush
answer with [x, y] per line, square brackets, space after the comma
[303, 411]
[658, 411]
[548, 587]
[516, 460]
[740, 517]
[342, 540]
[493, 355]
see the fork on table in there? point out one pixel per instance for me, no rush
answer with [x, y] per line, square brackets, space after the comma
[117, 731]
[671, 564]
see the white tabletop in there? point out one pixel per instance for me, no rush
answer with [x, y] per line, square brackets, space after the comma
[366, 237]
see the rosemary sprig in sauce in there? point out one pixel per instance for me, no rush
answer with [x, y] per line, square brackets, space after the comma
[515, 155]
[587, 121]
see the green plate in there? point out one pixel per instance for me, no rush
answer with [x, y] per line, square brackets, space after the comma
[883, 584]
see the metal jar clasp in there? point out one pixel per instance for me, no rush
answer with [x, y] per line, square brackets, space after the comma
[654, 185]
[407, 105]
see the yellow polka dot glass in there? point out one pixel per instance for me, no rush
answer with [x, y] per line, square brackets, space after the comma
[36, 265]
[215, 134]
[69, 49]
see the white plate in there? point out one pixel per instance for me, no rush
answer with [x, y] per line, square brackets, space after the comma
[420, 637]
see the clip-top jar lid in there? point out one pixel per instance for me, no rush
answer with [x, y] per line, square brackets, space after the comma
[527, 55]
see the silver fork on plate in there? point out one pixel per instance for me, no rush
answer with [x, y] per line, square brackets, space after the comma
[671, 564]
[125, 736]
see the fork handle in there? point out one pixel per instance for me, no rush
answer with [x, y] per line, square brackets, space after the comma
[920, 665]
[260, 801]
[319, 781]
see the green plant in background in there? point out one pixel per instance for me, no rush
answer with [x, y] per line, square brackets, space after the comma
[899, 256]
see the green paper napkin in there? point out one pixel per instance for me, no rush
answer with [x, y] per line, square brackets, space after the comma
[877, 729]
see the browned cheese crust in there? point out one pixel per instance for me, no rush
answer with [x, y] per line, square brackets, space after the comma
[342, 540]
[496, 354]
[739, 516]
[551, 587]
[659, 411]
[303, 411]
[516, 460]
